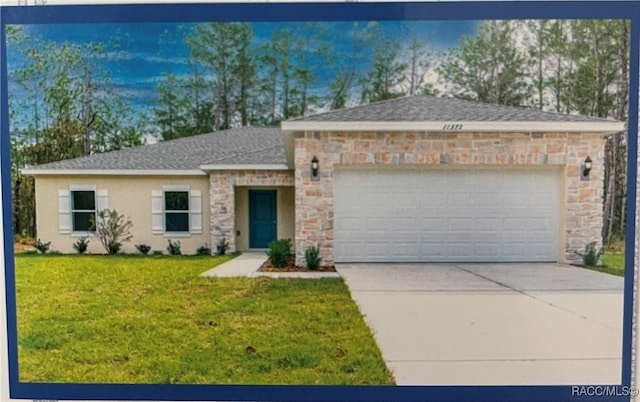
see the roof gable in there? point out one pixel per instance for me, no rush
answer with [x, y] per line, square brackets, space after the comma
[427, 113]
[429, 108]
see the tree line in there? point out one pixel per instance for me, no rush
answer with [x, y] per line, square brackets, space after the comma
[68, 106]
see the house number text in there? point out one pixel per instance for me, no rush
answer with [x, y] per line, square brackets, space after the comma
[452, 127]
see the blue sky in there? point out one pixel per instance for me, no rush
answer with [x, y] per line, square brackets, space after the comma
[151, 50]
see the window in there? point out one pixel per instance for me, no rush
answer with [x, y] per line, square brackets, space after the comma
[176, 209]
[76, 207]
[83, 210]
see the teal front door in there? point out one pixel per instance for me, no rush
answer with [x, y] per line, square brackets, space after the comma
[262, 218]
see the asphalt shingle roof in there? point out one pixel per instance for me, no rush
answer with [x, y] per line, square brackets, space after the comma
[429, 108]
[265, 146]
[240, 146]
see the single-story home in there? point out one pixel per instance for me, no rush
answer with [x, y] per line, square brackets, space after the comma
[410, 179]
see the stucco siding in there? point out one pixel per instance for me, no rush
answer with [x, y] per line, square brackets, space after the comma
[129, 195]
[286, 213]
[242, 218]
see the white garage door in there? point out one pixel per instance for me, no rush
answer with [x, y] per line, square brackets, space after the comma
[405, 215]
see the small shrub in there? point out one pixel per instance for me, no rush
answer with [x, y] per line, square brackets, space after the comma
[81, 245]
[312, 258]
[222, 247]
[203, 250]
[42, 247]
[156, 252]
[114, 247]
[112, 229]
[174, 248]
[279, 252]
[143, 248]
[591, 255]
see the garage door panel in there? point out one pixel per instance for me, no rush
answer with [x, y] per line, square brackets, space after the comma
[350, 250]
[432, 249]
[378, 249]
[515, 225]
[488, 201]
[461, 249]
[373, 238]
[514, 200]
[348, 224]
[488, 225]
[446, 215]
[376, 224]
[405, 223]
[404, 250]
[492, 250]
[540, 211]
[433, 225]
[432, 200]
[405, 199]
[541, 225]
[460, 199]
[514, 250]
[541, 249]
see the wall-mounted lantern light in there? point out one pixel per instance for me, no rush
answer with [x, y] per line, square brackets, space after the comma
[587, 167]
[315, 167]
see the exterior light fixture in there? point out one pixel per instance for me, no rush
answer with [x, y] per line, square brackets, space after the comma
[315, 167]
[587, 167]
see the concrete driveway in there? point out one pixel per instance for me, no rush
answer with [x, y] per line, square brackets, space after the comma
[492, 324]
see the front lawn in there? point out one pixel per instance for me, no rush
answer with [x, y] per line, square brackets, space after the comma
[128, 319]
[612, 263]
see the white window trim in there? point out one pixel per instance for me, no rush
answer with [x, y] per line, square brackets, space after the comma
[65, 210]
[79, 234]
[176, 189]
[158, 212]
[82, 187]
[180, 235]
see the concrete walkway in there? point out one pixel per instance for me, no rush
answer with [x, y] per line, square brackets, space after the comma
[243, 265]
[247, 264]
[492, 324]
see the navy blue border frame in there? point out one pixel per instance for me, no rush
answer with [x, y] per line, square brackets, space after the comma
[262, 12]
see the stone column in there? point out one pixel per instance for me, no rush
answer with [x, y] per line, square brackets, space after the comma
[584, 197]
[314, 199]
[222, 198]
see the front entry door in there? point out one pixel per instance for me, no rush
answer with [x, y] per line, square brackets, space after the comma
[262, 218]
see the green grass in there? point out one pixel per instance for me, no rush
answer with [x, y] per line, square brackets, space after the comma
[126, 319]
[612, 263]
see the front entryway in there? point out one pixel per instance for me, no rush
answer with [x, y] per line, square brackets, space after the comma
[262, 218]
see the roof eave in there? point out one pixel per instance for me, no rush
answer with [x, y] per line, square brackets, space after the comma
[602, 127]
[111, 172]
[274, 166]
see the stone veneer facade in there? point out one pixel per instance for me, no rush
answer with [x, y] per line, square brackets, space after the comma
[581, 212]
[222, 185]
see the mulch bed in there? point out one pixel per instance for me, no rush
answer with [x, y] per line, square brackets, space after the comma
[292, 267]
[24, 245]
